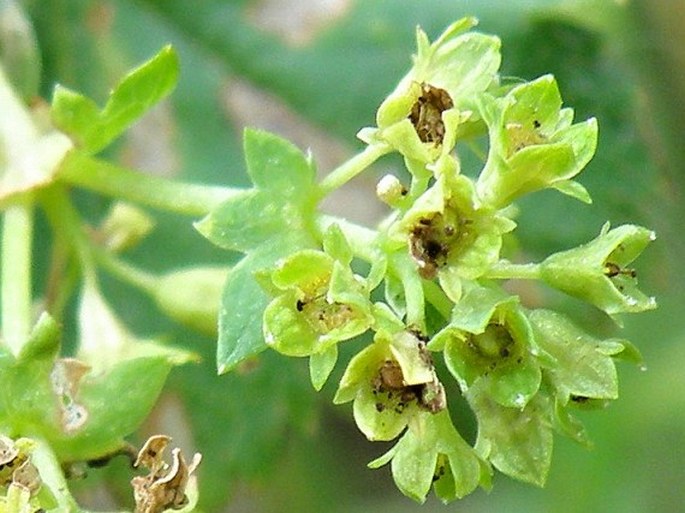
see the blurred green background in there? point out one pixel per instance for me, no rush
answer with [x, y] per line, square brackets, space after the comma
[314, 71]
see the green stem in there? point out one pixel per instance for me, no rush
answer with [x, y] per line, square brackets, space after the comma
[507, 271]
[121, 183]
[436, 297]
[52, 476]
[351, 168]
[132, 275]
[67, 224]
[16, 274]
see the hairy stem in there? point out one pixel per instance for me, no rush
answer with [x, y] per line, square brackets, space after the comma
[16, 274]
[136, 187]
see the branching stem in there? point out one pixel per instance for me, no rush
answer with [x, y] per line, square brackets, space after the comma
[152, 191]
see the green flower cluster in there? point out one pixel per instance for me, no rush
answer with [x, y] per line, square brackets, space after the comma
[432, 291]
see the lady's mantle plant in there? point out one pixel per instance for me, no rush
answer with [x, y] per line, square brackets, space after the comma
[425, 286]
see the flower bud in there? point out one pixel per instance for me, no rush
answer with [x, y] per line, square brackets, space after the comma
[390, 190]
[125, 226]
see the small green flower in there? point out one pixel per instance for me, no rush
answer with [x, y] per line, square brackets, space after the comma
[321, 302]
[390, 381]
[490, 342]
[420, 117]
[448, 235]
[598, 271]
[432, 452]
[533, 144]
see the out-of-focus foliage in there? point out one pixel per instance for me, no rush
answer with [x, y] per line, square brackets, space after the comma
[266, 441]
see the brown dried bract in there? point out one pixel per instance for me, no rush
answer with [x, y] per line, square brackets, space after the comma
[426, 113]
[165, 485]
[16, 467]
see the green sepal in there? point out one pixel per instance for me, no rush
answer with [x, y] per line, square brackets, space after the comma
[432, 452]
[16, 500]
[583, 369]
[384, 422]
[345, 287]
[321, 365]
[448, 215]
[490, 342]
[286, 330]
[518, 442]
[570, 426]
[308, 271]
[596, 272]
[92, 129]
[335, 244]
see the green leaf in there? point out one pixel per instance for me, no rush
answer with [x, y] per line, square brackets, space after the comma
[277, 166]
[281, 204]
[108, 406]
[245, 221]
[93, 129]
[117, 403]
